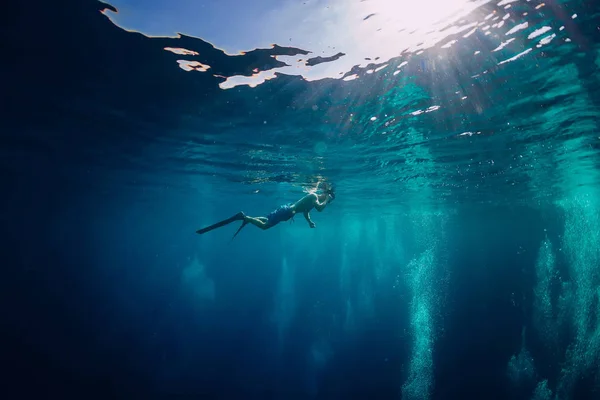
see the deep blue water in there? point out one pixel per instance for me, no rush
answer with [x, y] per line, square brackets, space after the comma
[459, 260]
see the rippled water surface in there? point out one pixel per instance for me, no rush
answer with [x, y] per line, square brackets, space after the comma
[456, 101]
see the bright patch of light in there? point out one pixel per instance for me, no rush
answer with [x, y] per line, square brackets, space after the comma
[517, 28]
[430, 109]
[187, 65]
[539, 32]
[181, 51]
[472, 31]
[503, 45]
[251, 81]
[449, 44]
[515, 57]
[392, 27]
[546, 40]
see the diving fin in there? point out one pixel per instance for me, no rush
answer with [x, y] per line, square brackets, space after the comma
[237, 217]
[239, 229]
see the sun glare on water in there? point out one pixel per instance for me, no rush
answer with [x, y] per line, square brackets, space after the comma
[396, 26]
[411, 15]
[365, 31]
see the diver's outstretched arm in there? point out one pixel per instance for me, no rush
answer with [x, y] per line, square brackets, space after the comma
[307, 216]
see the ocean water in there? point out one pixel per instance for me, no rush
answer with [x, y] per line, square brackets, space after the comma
[459, 260]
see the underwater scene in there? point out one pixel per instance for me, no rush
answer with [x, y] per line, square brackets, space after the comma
[301, 199]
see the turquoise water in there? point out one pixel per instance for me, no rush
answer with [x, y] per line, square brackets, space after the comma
[460, 256]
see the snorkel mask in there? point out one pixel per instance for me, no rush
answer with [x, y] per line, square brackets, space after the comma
[326, 189]
[331, 193]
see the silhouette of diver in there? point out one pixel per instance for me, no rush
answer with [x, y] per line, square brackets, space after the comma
[283, 213]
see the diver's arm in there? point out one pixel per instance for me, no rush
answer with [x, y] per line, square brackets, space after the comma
[321, 184]
[321, 206]
[307, 216]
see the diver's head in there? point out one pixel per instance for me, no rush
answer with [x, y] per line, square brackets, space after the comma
[322, 185]
[326, 189]
[330, 191]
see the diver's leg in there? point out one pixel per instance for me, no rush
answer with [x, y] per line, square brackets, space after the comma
[261, 222]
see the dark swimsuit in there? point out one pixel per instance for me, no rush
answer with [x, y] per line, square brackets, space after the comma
[281, 214]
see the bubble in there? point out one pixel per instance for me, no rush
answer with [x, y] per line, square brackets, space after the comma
[320, 147]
